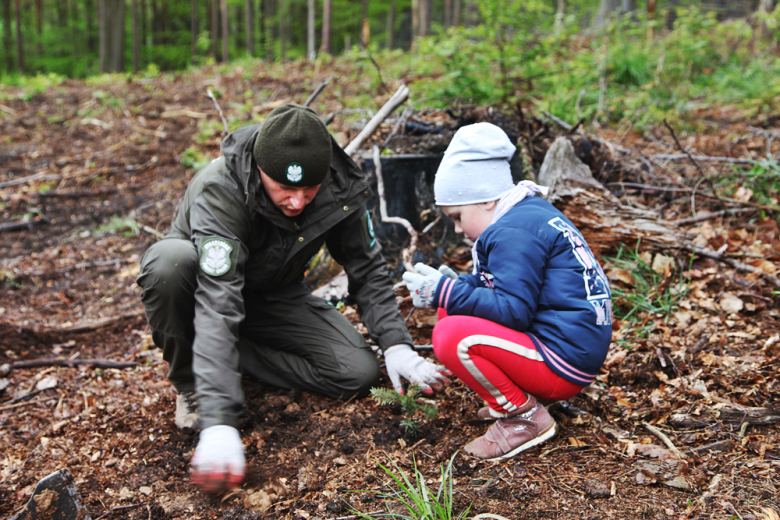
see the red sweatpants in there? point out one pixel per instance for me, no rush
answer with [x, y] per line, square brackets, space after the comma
[498, 363]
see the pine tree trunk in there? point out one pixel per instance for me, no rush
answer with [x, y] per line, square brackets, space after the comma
[19, 51]
[310, 36]
[225, 40]
[424, 17]
[282, 31]
[391, 25]
[269, 30]
[415, 22]
[650, 18]
[135, 36]
[215, 28]
[606, 8]
[325, 46]
[457, 11]
[7, 38]
[250, 40]
[194, 29]
[628, 6]
[39, 24]
[112, 35]
[365, 25]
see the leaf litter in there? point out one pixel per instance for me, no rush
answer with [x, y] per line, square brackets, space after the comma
[704, 375]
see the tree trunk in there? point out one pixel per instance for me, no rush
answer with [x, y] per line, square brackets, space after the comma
[365, 25]
[194, 29]
[628, 6]
[224, 32]
[215, 28]
[7, 38]
[651, 19]
[135, 36]
[112, 36]
[559, 15]
[325, 46]
[19, 51]
[391, 25]
[457, 12]
[606, 8]
[144, 28]
[39, 24]
[765, 6]
[447, 13]
[282, 35]
[415, 22]
[425, 17]
[250, 39]
[598, 214]
[269, 30]
[310, 36]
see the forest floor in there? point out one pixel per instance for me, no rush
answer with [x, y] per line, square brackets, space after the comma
[108, 160]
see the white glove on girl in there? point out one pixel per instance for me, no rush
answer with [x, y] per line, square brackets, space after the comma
[218, 463]
[402, 361]
[422, 285]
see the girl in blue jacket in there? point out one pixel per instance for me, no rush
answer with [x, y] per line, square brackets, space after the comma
[534, 319]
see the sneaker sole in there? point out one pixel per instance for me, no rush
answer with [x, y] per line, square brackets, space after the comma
[546, 435]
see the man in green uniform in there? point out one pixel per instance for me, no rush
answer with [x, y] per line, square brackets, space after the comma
[223, 293]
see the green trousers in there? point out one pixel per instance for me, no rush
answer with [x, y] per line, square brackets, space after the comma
[288, 339]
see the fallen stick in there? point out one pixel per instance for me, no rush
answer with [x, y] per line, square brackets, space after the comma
[708, 216]
[669, 444]
[733, 263]
[18, 405]
[401, 95]
[569, 128]
[221, 115]
[317, 91]
[704, 158]
[683, 150]
[94, 325]
[24, 180]
[23, 225]
[97, 363]
[119, 508]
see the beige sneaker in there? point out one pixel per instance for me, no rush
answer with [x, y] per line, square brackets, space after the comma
[186, 410]
[524, 428]
[487, 414]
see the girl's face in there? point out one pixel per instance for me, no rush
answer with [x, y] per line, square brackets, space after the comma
[471, 219]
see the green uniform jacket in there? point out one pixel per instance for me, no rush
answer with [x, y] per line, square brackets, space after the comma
[270, 251]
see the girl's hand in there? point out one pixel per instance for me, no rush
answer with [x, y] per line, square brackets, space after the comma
[422, 285]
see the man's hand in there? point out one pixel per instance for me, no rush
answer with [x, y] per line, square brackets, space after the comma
[422, 285]
[402, 361]
[218, 463]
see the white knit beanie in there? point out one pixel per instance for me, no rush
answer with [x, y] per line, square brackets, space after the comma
[475, 167]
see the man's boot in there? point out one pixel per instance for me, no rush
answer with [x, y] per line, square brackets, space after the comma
[186, 410]
[524, 428]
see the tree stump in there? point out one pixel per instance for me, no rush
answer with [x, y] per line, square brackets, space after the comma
[602, 219]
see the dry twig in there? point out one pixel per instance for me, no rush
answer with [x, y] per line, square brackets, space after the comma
[221, 115]
[669, 444]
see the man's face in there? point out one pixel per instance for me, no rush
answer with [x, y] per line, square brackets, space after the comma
[289, 199]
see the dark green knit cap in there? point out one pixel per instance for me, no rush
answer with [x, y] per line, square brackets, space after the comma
[293, 146]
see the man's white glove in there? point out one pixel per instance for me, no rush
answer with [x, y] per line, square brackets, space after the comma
[402, 361]
[422, 285]
[446, 271]
[218, 463]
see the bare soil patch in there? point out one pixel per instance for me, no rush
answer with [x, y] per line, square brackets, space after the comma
[308, 455]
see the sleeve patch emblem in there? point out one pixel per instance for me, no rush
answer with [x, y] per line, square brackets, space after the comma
[215, 257]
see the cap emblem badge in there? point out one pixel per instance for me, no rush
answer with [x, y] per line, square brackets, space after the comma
[294, 172]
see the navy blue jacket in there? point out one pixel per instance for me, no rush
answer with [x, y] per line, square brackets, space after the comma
[537, 275]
